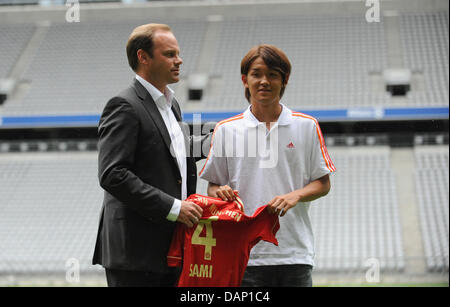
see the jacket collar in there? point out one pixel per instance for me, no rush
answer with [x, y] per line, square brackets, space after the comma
[156, 94]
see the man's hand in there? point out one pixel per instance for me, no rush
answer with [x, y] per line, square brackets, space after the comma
[282, 203]
[226, 193]
[190, 213]
[312, 191]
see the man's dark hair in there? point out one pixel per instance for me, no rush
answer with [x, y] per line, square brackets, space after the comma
[273, 57]
[142, 38]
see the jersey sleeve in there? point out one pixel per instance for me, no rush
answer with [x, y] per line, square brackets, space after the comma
[175, 254]
[215, 169]
[265, 227]
[321, 163]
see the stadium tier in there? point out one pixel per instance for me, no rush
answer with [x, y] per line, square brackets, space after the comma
[389, 198]
[50, 204]
[13, 39]
[432, 185]
[77, 68]
[359, 218]
[336, 60]
[332, 57]
[425, 50]
[49, 211]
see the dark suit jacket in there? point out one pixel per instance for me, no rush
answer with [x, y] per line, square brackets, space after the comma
[141, 179]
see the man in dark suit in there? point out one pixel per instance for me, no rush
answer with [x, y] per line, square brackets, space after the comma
[144, 166]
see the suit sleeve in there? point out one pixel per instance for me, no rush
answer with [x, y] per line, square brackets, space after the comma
[118, 139]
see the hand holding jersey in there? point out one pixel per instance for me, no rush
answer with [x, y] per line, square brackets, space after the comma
[282, 203]
[190, 213]
[216, 251]
[224, 192]
[314, 190]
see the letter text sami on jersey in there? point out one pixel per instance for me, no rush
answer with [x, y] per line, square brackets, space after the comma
[215, 250]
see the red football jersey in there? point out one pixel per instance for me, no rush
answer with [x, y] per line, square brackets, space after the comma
[215, 252]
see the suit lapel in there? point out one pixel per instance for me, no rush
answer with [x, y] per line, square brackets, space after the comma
[184, 128]
[175, 110]
[153, 111]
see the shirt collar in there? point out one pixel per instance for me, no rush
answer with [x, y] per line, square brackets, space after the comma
[156, 94]
[283, 120]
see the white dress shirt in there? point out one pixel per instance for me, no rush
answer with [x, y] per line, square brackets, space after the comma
[164, 104]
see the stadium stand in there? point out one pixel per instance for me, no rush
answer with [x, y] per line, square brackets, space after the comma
[51, 202]
[359, 218]
[432, 192]
[50, 198]
[425, 49]
[18, 2]
[334, 58]
[49, 211]
[13, 39]
[48, 2]
[73, 58]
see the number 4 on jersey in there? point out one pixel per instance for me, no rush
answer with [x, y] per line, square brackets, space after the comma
[208, 241]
